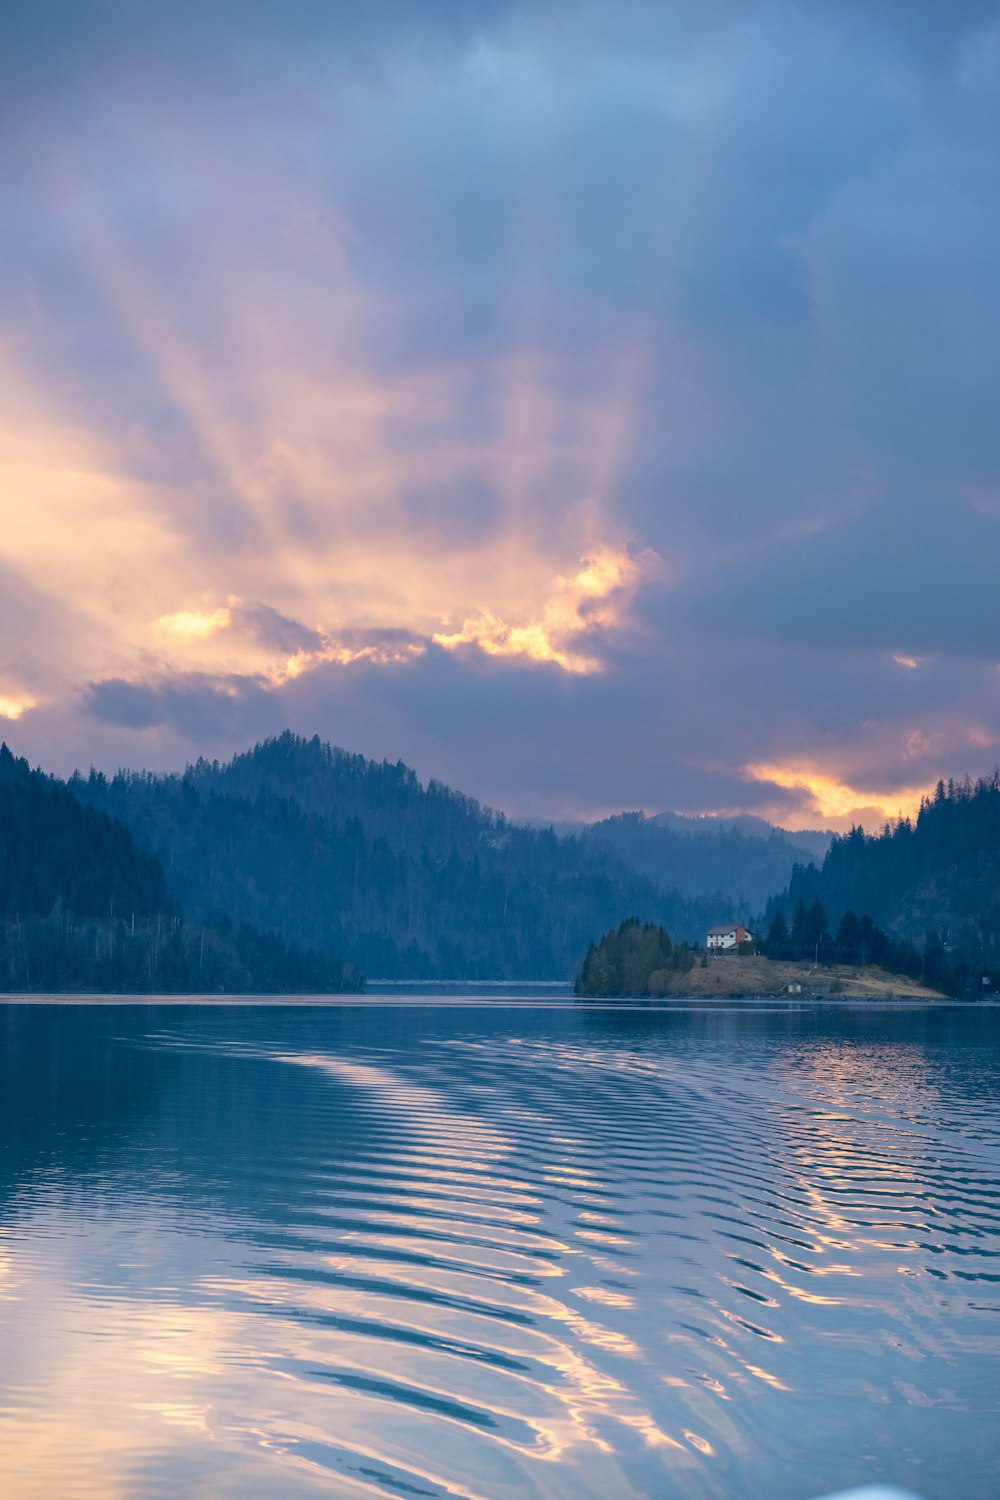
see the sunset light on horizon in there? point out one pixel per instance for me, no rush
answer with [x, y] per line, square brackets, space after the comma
[835, 804]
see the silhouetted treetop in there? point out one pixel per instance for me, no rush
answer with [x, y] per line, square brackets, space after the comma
[929, 885]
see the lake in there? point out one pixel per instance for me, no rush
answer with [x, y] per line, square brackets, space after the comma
[410, 1248]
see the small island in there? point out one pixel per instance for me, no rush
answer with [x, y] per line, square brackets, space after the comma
[639, 960]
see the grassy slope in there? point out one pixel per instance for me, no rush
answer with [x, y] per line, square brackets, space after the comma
[762, 976]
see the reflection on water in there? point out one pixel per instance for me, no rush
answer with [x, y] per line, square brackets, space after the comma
[553, 1252]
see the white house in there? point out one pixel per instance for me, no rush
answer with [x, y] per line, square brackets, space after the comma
[722, 938]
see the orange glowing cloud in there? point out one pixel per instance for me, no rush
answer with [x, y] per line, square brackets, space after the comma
[593, 598]
[225, 639]
[314, 474]
[337, 493]
[836, 800]
[188, 625]
[13, 707]
[220, 640]
[380, 652]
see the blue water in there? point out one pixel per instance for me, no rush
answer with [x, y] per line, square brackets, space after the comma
[417, 1249]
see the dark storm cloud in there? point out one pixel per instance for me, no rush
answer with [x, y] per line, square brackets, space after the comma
[273, 629]
[912, 582]
[195, 707]
[58, 46]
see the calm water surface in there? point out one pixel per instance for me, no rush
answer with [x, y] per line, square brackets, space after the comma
[411, 1250]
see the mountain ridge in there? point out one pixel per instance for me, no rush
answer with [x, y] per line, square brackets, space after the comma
[406, 880]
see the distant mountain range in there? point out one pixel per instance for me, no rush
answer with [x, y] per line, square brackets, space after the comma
[744, 858]
[813, 842]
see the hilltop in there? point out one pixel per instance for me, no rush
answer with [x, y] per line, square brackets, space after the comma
[744, 858]
[404, 880]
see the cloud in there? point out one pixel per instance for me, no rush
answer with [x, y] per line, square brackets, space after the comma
[335, 337]
[580, 609]
[198, 707]
[832, 800]
[13, 708]
[189, 625]
[537, 740]
[580, 606]
[276, 630]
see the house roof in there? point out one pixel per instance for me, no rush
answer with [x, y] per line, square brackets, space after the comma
[721, 931]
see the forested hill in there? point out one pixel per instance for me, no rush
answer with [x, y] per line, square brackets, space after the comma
[933, 882]
[748, 867]
[811, 844]
[404, 880]
[83, 908]
[387, 797]
[53, 852]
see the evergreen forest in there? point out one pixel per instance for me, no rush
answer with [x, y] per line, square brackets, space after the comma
[628, 960]
[746, 868]
[402, 880]
[83, 907]
[921, 896]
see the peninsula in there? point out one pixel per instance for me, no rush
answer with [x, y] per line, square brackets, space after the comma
[748, 977]
[640, 960]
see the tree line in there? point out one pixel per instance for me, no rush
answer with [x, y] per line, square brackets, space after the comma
[746, 868]
[83, 907]
[404, 880]
[929, 888]
[809, 938]
[628, 960]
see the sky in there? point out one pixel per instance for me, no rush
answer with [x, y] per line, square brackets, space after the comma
[593, 405]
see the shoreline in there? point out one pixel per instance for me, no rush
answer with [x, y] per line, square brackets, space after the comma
[519, 1001]
[753, 975]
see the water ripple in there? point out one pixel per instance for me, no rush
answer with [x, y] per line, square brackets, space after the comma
[370, 1255]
